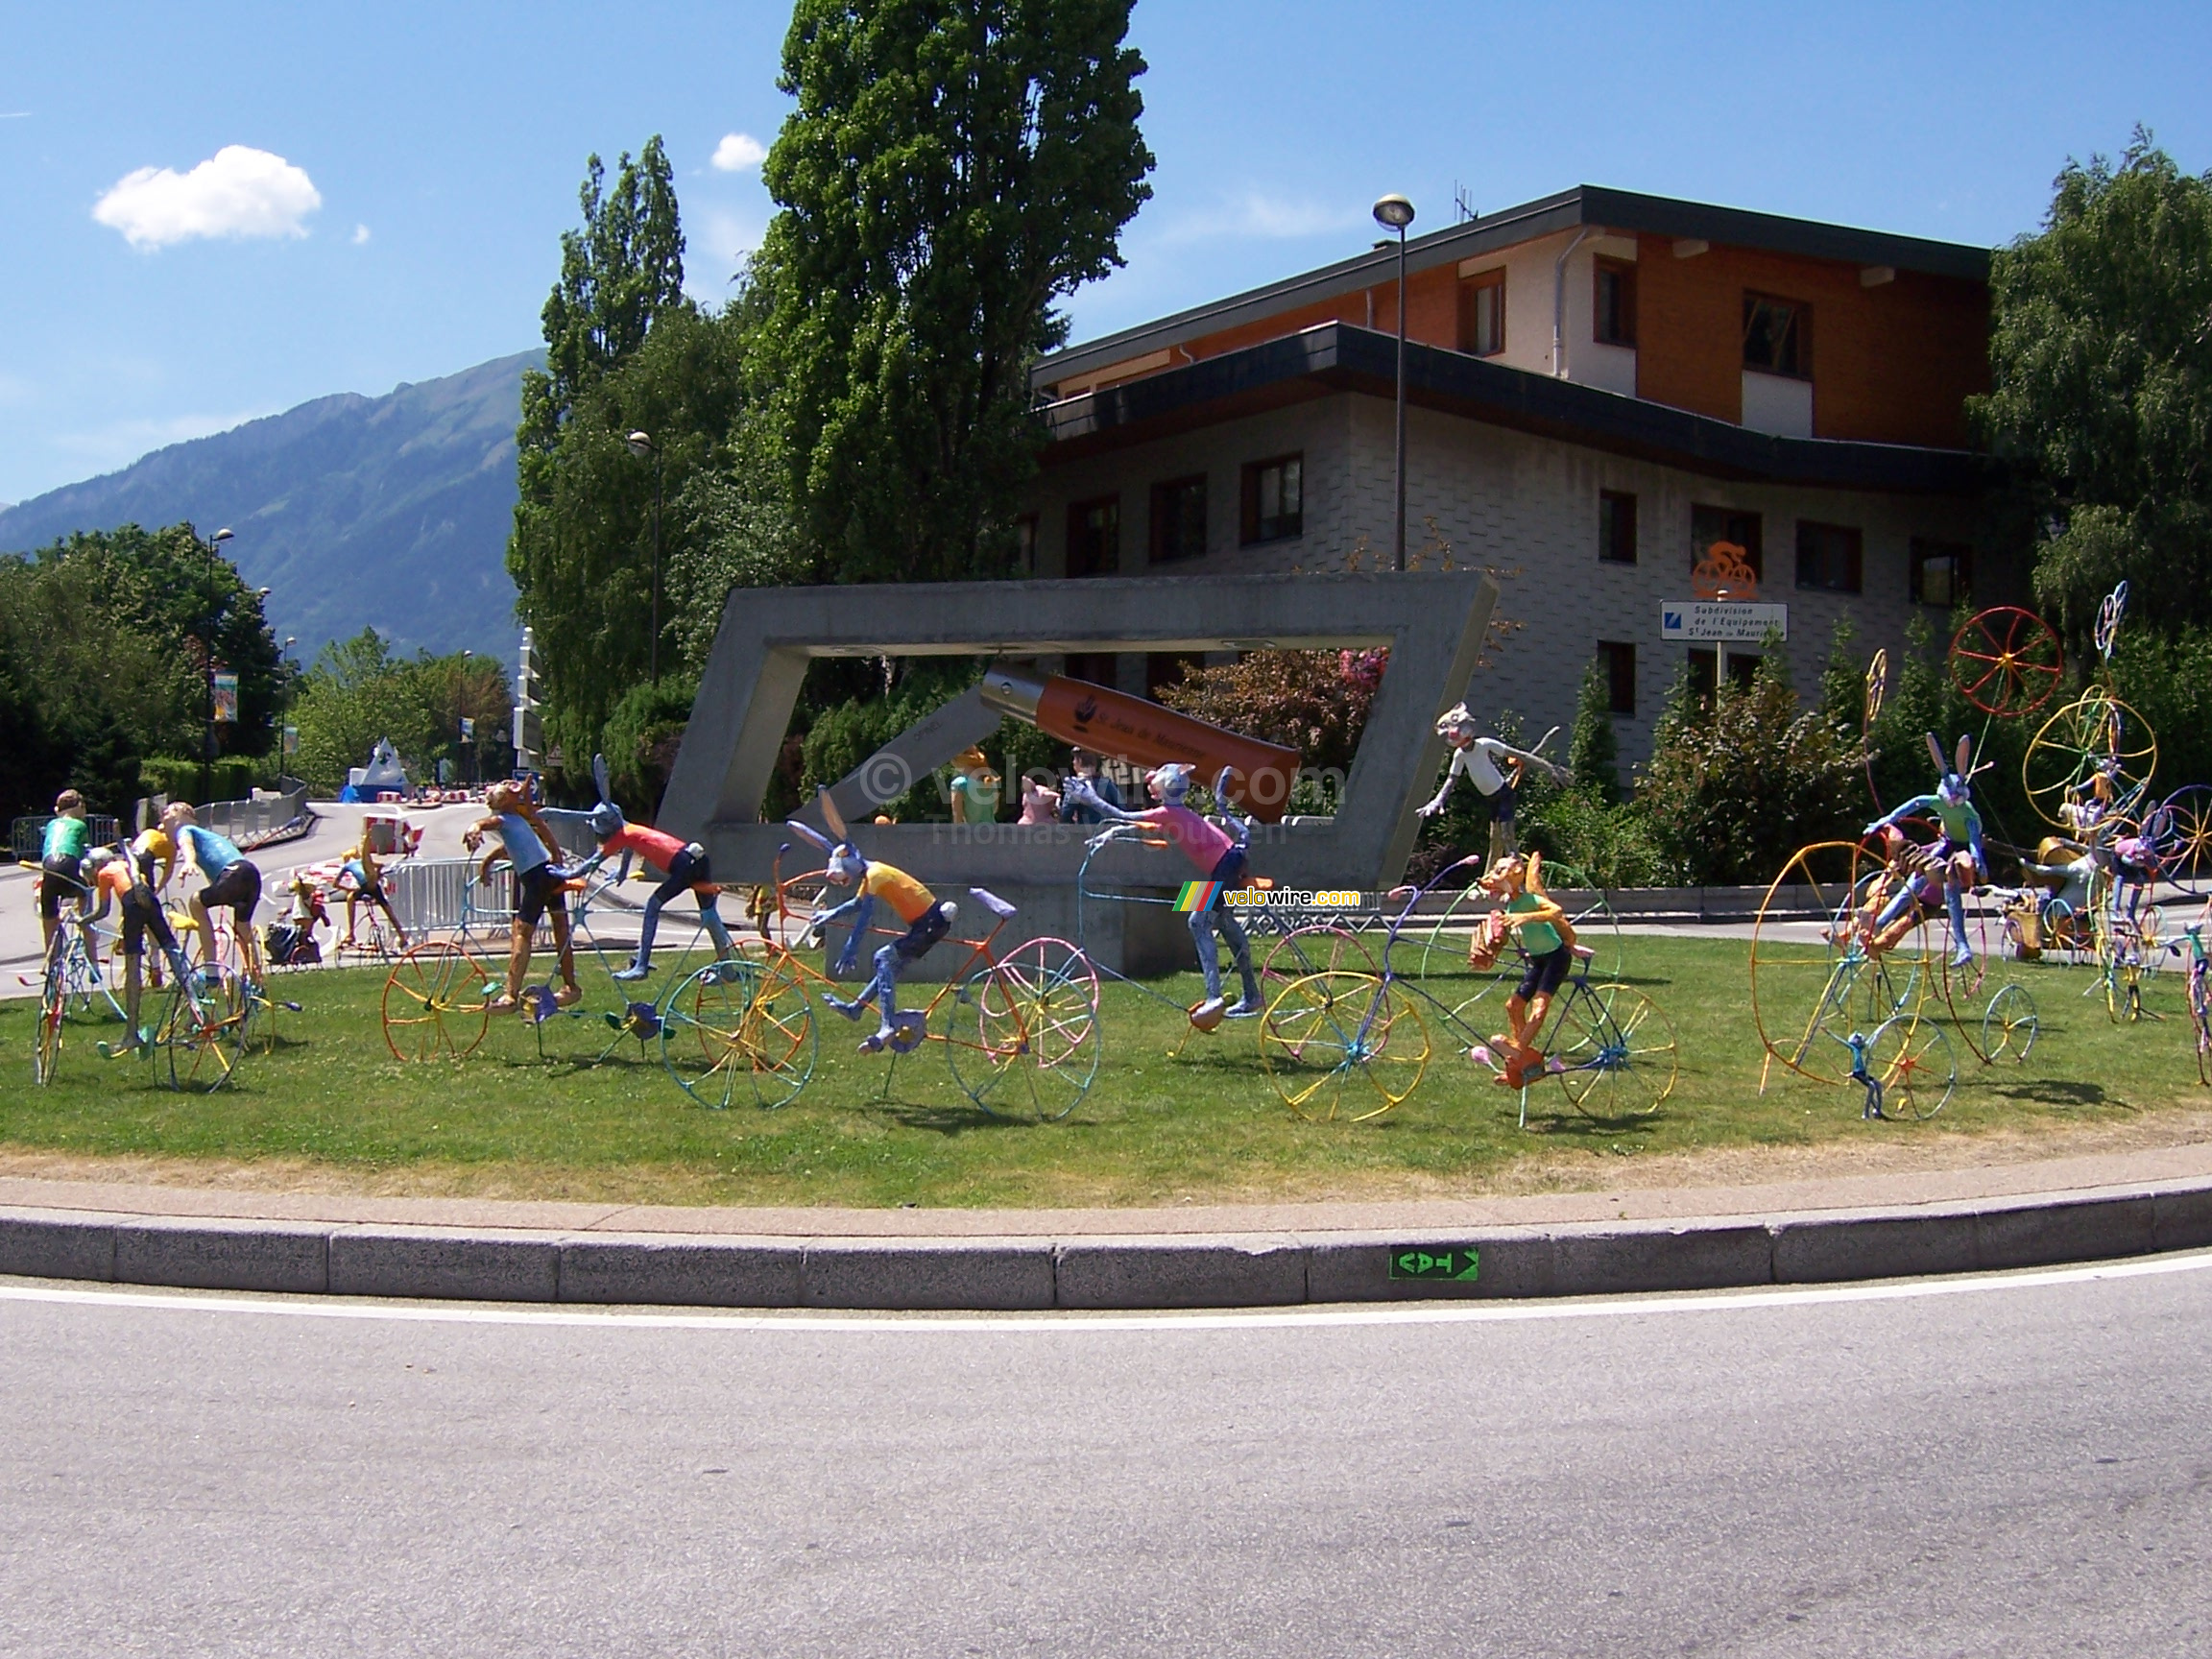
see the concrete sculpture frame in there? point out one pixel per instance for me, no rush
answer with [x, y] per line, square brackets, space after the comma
[1432, 623]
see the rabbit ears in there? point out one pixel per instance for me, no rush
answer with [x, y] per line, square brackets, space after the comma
[599, 777]
[1960, 763]
[830, 816]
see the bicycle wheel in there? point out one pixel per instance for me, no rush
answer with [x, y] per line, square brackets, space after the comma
[2010, 1028]
[1318, 947]
[46, 1051]
[1818, 969]
[2096, 734]
[740, 1028]
[1613, 1051]
[204, 1038]
[2200, 1014]
[2186, 819]
[2006, 661]
[437, 1003]
[1911, 1058]
[1343, 1045]
[1036, 1045]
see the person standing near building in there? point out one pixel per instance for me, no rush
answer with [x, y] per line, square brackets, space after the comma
[1083, 772]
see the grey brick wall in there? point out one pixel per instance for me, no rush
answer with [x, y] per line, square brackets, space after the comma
[1526, 507]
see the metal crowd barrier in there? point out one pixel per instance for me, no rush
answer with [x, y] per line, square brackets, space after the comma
[29, 835]
[434, 895]
[248, 823]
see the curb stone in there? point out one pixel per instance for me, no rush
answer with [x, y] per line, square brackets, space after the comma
[1126, 1272]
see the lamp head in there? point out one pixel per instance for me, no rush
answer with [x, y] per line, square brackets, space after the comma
[1395, 211]
[641, 444]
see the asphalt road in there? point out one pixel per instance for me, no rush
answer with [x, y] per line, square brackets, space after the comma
[2018, 1467]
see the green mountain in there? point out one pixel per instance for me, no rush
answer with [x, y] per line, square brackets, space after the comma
[354, 511]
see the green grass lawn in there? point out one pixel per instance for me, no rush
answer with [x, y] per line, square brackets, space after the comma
[1206, 1126]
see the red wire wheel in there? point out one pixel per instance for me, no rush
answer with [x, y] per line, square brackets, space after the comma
[2006, 661]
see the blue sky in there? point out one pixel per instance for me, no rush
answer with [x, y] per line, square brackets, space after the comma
[407, 169]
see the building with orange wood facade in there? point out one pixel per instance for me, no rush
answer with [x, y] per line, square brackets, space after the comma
[1601, 386]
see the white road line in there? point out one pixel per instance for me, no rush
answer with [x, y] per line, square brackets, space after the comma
[1072, 1322]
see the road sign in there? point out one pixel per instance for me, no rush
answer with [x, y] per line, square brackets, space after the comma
[1717, 622]
[1450, 1262]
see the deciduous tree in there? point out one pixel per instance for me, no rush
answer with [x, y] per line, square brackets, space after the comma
[952, 168]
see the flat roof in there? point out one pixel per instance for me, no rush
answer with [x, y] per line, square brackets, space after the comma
[1594, 205]
[1333, 358]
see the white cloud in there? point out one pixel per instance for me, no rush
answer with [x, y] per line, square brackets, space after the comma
[737, 152]
[1254, 214]
[236, 192]
[360, 235]
[15, 114]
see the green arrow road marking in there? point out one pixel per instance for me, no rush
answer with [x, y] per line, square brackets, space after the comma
[1457, 1264]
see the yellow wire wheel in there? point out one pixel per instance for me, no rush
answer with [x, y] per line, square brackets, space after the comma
[1817, 974]
[1343, 1045]
[2094, 732]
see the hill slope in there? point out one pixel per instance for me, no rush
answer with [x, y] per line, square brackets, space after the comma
[355, 511]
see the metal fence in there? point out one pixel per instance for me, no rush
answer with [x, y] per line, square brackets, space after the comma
[29, 835]
[250, 823]
[434, 894]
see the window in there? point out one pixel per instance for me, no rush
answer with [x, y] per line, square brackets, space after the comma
[1704, 672]
[1167, 668]
[1274, 503]
[1942, 572]
[1614, 291]
[1482, 314]
[1828, 555]
[1616, 527]
[1095, 536]
[1710, 524]
[1178, 519]
[1777, 336]
[1618, 662]
[1025, 544]
[1093, 667]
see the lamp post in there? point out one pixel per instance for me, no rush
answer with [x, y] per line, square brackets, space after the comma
[1395, 213]
[641, 445]
[207, 629]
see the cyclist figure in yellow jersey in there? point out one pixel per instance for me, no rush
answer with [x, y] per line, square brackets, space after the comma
[129, 878]
[926, 918]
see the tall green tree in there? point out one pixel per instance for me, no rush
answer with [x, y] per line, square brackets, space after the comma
[625, 352]
[1593, 752]
[952, 169]
[619, 275]
[2100, 368]
[357, 692]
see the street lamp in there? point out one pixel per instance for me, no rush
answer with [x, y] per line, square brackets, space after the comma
[1395, 213]
[641, 445]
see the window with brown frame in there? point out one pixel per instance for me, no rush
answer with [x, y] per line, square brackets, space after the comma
[1613, 295]
[1274, 499]
[1617, 659]
[1777, 336]
[1178, 519]
[1942, 572]
[1095, 536]
[1829, 556]
[1483, 313]
[1710, 524]
[1616, 527]
[1025, 543]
